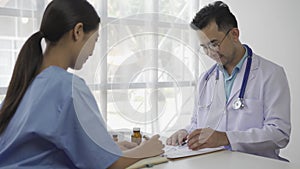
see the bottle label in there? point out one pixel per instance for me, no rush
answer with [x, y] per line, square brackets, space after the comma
[136, 140]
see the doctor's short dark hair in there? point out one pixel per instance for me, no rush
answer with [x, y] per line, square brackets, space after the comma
[217, 11]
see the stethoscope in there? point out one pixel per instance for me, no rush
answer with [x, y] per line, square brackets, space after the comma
[239, 102]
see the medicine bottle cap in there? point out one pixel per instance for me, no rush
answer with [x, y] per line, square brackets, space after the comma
[136, 129]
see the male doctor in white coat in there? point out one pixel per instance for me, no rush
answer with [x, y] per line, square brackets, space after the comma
[253, 116]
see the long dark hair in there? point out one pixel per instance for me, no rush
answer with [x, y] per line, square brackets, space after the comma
[59, 17]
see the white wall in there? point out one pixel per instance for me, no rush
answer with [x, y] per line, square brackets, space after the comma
[272, 29]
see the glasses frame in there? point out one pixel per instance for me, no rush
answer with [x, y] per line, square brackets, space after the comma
[213, 46]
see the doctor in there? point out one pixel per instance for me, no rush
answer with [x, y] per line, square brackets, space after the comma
[243, 101]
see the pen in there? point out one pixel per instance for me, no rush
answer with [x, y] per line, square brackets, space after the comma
[149, 165]
[184, 143]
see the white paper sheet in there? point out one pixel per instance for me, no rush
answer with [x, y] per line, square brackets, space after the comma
[184, 151]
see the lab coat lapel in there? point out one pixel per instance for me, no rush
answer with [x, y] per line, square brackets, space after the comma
[235, 91]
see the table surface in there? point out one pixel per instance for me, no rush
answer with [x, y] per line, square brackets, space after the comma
[226, 160]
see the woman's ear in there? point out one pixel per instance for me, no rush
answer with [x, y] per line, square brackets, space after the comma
[78, 31]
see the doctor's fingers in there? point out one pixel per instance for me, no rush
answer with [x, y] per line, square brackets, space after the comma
[198, 145]
[182, 136]
[193, 140]
[199, 137]
[194, 133]
[177, 138]
[170, 140]
[202, 134]
[173, 140]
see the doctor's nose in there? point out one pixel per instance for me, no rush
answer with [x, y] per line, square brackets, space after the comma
[214, 55]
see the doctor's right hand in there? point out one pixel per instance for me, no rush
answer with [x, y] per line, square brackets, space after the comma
[177, 138]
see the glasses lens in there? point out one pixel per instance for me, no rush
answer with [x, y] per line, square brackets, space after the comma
[203, 50]
[213, 47]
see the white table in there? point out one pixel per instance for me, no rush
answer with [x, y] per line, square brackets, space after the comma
[226, 160]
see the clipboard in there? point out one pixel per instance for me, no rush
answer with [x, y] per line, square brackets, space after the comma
[174, 152]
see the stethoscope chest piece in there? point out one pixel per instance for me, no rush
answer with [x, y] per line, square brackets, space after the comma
[238, 104]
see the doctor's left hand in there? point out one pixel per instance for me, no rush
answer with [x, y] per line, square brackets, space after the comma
[206, 138]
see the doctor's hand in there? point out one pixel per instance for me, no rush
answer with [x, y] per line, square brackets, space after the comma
[148, 148]
[206, 138]
[177, 138]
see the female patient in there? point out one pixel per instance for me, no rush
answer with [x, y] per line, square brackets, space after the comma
[49, 118]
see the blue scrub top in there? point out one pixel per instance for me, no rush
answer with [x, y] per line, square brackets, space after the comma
[47, 131]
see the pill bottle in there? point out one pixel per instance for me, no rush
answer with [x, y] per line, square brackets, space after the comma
[115, 137]
[136, 135]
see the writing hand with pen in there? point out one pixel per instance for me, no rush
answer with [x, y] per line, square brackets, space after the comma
[178, 138]
[199, 138]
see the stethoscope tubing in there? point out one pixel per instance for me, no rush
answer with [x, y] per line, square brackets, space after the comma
[245, 78]
[247, 72]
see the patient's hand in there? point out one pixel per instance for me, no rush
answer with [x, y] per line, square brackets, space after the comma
[126, 145]
[148, 148]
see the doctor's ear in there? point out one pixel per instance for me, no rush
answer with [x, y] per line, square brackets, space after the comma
[78, 31]
[235, 34]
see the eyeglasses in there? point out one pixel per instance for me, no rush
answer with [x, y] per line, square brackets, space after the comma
[212, 46]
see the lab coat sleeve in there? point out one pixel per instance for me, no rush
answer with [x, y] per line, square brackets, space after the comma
[276, 128]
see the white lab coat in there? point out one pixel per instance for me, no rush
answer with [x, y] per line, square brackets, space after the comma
[263, 126]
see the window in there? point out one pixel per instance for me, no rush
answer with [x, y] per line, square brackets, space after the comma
[18, 21]
[145, 65]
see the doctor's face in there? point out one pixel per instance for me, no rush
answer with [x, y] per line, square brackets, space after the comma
[216, 44]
